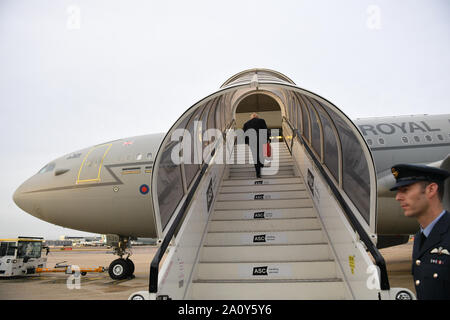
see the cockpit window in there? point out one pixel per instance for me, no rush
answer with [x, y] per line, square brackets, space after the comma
[48, 168]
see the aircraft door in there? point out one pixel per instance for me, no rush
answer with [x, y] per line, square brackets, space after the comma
[92, 164]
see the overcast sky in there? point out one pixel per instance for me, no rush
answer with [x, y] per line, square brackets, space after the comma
[78, 73]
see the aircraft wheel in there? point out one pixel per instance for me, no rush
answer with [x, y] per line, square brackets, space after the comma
[130, 265]
[119, 269]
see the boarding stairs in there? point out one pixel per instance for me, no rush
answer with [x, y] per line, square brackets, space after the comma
[264, 239]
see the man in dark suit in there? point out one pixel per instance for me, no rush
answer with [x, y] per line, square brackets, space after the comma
[256, 147]
[420, 190]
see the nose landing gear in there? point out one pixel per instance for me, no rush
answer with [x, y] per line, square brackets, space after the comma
[121, 268]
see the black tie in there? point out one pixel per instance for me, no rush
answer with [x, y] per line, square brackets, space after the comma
[423, 238]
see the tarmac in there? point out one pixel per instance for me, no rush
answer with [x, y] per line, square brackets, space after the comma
[99, 286]
[93, 286]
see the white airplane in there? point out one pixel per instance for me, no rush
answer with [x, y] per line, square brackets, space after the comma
[130, 188]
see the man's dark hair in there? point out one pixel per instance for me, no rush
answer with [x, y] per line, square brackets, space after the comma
[440, 185]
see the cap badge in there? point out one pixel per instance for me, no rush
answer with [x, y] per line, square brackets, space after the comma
[394, 172]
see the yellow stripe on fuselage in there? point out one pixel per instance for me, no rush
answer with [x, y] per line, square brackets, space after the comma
[100, 166]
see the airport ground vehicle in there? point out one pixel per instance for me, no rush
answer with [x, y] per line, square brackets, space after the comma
[21, 256]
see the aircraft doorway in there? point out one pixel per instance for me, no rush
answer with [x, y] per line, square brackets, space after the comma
[265, 106]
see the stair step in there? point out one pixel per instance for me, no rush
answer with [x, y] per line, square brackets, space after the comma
[262, 181]
[266, 171]
[251, 168]
[243, 157]
[273, 173]
[254, 271]
[274, 151]
[263, 204]
[279, 161]
[263, 188]
[264, 225]
[258, 196]
[248, 152]
[270, 253]
[284, 175]
[283, 290]
[272, 164]
[248, 162]
[248, 149]
[261, 238]
[273, 144]
[264, 214]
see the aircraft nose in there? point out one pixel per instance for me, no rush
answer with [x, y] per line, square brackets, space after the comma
[22, 199]
[16, 197]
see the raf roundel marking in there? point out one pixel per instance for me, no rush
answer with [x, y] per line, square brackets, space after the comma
[144, 189]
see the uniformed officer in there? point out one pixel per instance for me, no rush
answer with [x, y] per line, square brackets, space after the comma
[420, 190]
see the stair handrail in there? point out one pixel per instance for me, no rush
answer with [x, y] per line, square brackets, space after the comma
[365, 238]
[154, 265]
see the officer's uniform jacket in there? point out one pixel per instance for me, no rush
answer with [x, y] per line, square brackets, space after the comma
[256, 124]
[431, 263]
